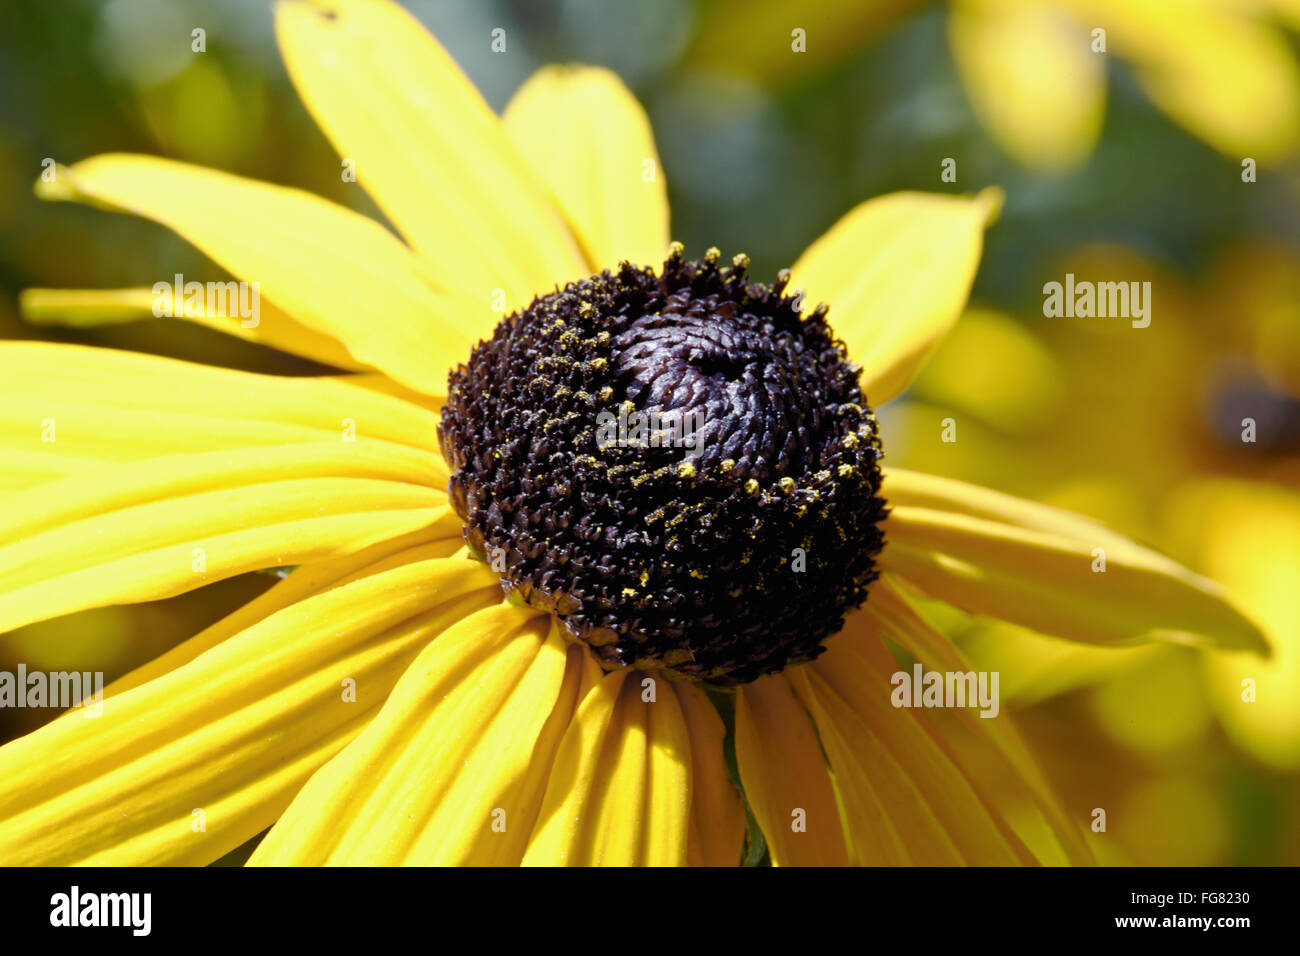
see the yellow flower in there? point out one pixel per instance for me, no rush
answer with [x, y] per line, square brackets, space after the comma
[383, 703]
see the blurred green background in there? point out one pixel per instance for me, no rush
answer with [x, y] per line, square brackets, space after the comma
[1118, 165]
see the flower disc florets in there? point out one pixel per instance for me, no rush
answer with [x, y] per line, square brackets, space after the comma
[681, 467]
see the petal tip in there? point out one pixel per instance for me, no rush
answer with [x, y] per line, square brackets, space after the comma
[989, 201]
[33, 305]
[59, 187]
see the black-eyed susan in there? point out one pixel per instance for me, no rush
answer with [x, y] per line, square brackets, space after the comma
[692, 658]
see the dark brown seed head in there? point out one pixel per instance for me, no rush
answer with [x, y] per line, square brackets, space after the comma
[681, 467]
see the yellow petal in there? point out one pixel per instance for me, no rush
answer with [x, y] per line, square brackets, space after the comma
[186, 767]
[163, 526]
[717, 814]
[382, 383]
[620, 791]
[1032, 78]
[443, 538]
[437, 778]
[785, 778]
[26, 466]
[896, 272]
[333, 270]
[1041, 567]
[528, 794]
[995, 742]
[587, 137]
[91, 308]
[906, 800]
[428, 149]
[1225, 74]
[68, 408]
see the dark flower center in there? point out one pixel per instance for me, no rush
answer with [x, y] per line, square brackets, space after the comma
[680, 467]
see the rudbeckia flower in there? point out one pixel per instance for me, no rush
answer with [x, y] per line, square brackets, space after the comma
[503, 641]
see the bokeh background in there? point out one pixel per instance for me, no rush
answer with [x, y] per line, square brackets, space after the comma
[1170, 157]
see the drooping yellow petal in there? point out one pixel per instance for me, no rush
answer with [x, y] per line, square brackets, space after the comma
[587, 137]
[436, 778]
[186, 767]
[717, 833]
[1049, 570]
[90, 308]
[427, 147]
[66, 409]
[994, 741]
[333, 270]
[619, 793]
[785, 777]
[896, 272]
[1032, 77]
[154, 528]
[914, 489]
[1225, 74]
[906, 800]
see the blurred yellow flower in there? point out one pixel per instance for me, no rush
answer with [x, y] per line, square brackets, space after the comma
[1036, 72]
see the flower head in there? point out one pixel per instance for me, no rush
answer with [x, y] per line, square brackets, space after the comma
[384, 703]
[655, 555]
